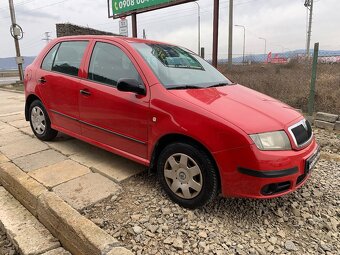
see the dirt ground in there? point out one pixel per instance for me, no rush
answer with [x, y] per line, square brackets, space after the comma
[303, 222]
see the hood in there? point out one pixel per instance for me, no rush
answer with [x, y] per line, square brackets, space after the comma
[250, 110]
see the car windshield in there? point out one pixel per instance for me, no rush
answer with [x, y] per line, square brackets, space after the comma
[178, 68]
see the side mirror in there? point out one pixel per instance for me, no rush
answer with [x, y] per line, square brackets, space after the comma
[130, 85]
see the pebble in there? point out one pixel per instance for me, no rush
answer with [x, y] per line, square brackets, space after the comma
[137, 229]
[290, 246]
[178, 243]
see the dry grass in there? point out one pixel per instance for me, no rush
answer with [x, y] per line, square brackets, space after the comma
[291, 83]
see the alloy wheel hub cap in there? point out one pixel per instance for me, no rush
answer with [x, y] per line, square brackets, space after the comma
[183, 176]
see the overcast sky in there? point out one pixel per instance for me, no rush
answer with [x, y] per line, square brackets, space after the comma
[282, 23]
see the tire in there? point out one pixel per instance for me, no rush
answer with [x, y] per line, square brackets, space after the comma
[40, 122]
[187, 175]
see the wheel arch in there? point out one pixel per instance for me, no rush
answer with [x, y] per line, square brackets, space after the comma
[174, 138]
[29, 100]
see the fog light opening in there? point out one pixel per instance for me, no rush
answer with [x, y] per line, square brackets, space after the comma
[274, 188]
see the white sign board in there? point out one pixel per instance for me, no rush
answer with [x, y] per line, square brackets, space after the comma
[123, 27]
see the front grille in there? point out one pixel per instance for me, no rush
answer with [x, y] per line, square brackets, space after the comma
[301, 132]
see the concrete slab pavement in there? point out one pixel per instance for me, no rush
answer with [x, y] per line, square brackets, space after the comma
[39, 160]
[112, 166]
[11, 103]
[23, 147]
[8, 138]
[87, 190]
[53, 175]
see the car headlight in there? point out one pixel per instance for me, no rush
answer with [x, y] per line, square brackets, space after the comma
[272, 141]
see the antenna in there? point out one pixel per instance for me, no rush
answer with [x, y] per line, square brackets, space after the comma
[47, 37]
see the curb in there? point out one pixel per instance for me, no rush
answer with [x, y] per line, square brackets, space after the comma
[75, 232]
[12, 90]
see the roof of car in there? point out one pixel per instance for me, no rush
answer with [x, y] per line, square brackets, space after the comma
[109, 37]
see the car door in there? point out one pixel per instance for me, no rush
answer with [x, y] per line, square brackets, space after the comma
[59, 84]
[108, 116]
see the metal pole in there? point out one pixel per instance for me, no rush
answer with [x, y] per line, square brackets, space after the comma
[310, 4]
[16, 41]
[265, 45]
[199, 27]
[230, 43]
[244, 40]
[313, 80]
[215, 33]
[134, 24]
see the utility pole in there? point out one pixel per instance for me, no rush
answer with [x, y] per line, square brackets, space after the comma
[244, 42]
[16, 32]
[199, 27]
[265, 45]
[215, 33]
[230, 44]
[47, 37]
[309, 5]
[134, 25]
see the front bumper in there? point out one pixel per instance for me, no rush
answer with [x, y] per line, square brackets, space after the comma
[249, 172]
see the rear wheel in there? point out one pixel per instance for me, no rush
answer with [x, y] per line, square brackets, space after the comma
[188, 175]
[40, 122]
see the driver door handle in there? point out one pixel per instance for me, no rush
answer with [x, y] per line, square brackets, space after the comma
[85, 92]
[42, 80]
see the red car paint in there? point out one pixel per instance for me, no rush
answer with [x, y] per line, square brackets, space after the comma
[220, 119]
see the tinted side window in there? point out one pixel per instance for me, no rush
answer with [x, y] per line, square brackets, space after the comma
[109, 64]
[69, 57]
[48, 60]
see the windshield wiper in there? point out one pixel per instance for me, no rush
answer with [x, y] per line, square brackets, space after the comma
[186, 87]
[219, 85]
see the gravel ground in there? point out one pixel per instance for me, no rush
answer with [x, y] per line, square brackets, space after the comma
[6, 247]
[304, 222]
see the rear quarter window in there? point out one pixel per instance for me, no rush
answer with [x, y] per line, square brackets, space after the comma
[68, 57]
[49, 58]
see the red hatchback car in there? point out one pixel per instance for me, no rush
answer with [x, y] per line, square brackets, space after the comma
[164, 107]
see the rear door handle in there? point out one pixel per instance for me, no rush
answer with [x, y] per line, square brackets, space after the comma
[42, 80]
[85, 92]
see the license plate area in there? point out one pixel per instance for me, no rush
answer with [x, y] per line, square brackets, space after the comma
[311, 161]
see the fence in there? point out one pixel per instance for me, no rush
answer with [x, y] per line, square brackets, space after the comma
[290, 82]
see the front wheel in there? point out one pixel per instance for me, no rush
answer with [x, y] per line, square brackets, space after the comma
[188, 175]
[40, 122]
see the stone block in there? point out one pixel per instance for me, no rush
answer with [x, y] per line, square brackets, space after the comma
[21, 186]
[324, 124]
[337, 126]
[23, 229]
[53, 175]
[87, 190]
[326, 117]
[76, 233]
[39, 160]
